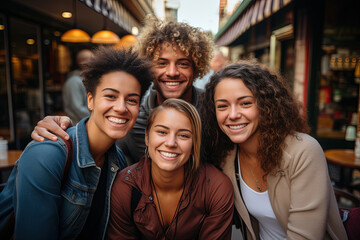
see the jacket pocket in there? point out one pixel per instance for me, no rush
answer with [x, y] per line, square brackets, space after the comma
[75, 206]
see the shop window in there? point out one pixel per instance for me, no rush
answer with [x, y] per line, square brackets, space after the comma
[57, 63]
[338, 94]
[26, 88]
[4, 96]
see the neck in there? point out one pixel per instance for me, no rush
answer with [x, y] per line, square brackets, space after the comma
[250, 147]
[167, 181]
[98, 143]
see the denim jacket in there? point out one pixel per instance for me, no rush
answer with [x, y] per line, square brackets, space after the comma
[46, 209]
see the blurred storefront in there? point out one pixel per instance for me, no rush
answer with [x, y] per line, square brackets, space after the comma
[315, 45]
[34, 61]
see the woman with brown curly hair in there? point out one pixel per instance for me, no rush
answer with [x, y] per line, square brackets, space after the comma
[254, 131]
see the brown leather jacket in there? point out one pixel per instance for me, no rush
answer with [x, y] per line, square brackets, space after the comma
[205, 212]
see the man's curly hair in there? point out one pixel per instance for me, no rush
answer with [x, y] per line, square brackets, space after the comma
[108, 59]
[193, 42]
[279, 114]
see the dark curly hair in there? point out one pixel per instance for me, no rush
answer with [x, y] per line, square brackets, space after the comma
[108, 59]
[278, 110]
[193, 42]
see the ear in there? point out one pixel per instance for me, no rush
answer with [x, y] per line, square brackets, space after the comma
[90, 101]
[146, 138]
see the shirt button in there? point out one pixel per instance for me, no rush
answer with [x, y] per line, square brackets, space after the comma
[129, 171]
[112, 169]
[150, 198]
[126, 178]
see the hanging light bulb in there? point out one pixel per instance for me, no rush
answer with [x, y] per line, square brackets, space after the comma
[105, 36]
[75, 35]
[126, 42]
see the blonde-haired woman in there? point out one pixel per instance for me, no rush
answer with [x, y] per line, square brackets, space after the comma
[181, 198]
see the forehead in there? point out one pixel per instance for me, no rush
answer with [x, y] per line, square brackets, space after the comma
[172, 118]
[231, 87]
[171, 51]
[119, 80]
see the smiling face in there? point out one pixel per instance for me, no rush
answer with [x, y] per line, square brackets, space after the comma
[114, 107]
[236, 110]
[169, 140]
[174, 74]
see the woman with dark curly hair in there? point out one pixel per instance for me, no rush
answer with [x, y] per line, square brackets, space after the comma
[254, 132]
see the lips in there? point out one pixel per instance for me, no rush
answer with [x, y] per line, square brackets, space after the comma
[117, 120]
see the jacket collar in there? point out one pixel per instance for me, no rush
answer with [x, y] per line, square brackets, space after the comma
[141, 178]
[228, 168]
[273, 179]
[81, 147]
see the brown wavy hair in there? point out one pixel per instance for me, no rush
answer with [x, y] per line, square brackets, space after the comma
[192, 41]
[278, 109]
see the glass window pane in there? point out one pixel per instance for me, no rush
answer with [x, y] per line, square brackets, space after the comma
[4, 103]
[26, 85]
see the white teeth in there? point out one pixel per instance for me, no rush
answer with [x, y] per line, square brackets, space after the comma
[172, 83]
[116, 120]
[237, 126]
[166, 154]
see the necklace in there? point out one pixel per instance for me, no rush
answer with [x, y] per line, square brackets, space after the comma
[258, 185]
[161, 215]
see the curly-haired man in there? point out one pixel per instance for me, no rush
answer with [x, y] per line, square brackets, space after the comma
[180, 53]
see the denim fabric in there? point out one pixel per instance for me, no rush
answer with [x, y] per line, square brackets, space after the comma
[46, 209]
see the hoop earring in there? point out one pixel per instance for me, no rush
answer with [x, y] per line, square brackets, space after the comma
[147, 152]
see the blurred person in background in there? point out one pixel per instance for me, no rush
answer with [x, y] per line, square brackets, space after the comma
[74, 93]
[218, 61]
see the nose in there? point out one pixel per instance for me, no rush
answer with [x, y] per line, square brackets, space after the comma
[172, 70]
[234, 113]
[171, 140]
[120, 105]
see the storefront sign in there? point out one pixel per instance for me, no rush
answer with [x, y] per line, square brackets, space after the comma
[113, 10]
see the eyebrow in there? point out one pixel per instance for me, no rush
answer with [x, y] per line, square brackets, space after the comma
[240, 98]
[180, 59]
[114, 90]
[182, 129]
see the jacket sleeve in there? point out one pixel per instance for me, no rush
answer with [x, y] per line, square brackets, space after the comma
[220, 206]
[121, 224]
[37, 198]
[310, 191]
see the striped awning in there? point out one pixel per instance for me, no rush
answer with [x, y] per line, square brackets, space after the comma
[255, 13]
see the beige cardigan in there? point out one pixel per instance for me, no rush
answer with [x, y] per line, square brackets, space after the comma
[300, 193]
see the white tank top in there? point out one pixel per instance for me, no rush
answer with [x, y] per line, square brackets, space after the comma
[258, 205]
